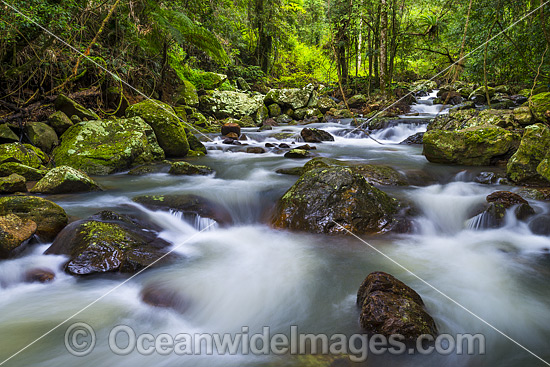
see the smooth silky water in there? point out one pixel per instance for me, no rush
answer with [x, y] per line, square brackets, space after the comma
[251, 275]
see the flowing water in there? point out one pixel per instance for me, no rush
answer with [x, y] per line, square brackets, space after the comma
[251, 275]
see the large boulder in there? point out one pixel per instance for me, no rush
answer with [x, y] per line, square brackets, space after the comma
[315, 135]
[357, 101]
[70, 108]
[41, 136]
[325, 104]
[169, 131]
[224, 104]
[22, 153]
[389, 307]
[533, 149]
[108, 242]
[65, 180]
[14, 233]
[13, 183]
[523, 115]
[30, 173]
[50, 217]
[290, 98]
[540, 105]
[207, 80]
[476, 146]
[59, 122]
[105, 147]
[423, 85]
[186, 94]
[324, 195]
[462, 119]
[7, 135]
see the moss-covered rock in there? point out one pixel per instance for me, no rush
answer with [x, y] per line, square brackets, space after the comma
[274, 110]
[423, 85]
[65, 180]
[207, 80]
[389, 307]
[324, 195]
[533, 149]
[195, 144]
[7, 135]
[14, 233]
[59, 122]
[306, 113]
[186, 94]
[539, 105]
[169, 131]
[261, 115]
[50, 217]
[357, 101]
[70, 108]
[22, 153]
[523, 115]
[105, 147]
[108, 242]
[224, 104]
[297, 154]
[289, 98]
[41, 136]
[13, 183]
[476, 146]
[30, 174]
[311, 135]
[325, 104]
[479, 96]
[188, 169]
[150, 168]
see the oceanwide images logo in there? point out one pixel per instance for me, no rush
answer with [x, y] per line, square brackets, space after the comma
[80, 340]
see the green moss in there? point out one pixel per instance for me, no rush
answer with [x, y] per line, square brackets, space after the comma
[24, 154]
[539, 105]
[523, 166]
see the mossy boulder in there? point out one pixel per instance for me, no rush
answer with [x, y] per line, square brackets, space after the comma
[289, 98]
[59, 122]
[311, 135]
[476, 146]
[207, 80]
[325, 104]
[150, 168]
[274, 110]
[105, 147]
[7, 135]
[540, 105]
[13, 183]
[169, 131]
[22, 153]
[307, 113]
[188, 169]
[65, 180]
[455, 120]
[30, 174]
[14, 233]
[71, 108]
[108, 242]
[224, 104]
[195, 144]
[533, 149]
[499, 202]
[186, 94]
[357, 101]
[423, 85]
[50, 217]
[297, 154]
[323, 196]
[389, 307]
[261, 115]
[523, 115]
[41, 136]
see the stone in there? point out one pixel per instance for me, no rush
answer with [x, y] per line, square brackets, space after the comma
[59, 122]
[186, 94]
[231, 127]
[307, 113]
[195, 144]
[147, 169]
[539, 105]
[357, 101]
[208, 81]
[188, 169]
[38, 275]
[65, 180]
[7, 135]
[523, 115]
[70, 108]
[274, 110]
[315, 135]
[255, 150]
[297, 153]
[533, 149]
[224, 104]
[30, 174]
[41, 136]
[243, 84]
[160, 295]
[14, 233]
[24, 154]
[290, 98]
[325, 104]
[13, 183]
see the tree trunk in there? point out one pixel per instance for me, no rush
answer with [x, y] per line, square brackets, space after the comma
[383, 45]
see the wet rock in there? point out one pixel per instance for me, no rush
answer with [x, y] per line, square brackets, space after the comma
[495, 214]
[30, 174]
[38, 275]
[105, 147]
[293, 171]
[169, 131]
[161, 295]
[306, 147]
[315, 135]
[70, 108]
[540, 225]
[451, 97]
[231, 141]
[231, 127]
[526, 165]
[380, 175]
[13, 183]
[41, 136]
[188, 169]
[7, 135]
[59, 122]
[108, 242]
[24, 154]
[14, 233]
[297, 153]
[232, 136]
[255, 150]
[506, 198]
[324, 195]
[270, 145]
[186, 204]
[65, 180]
[539, 105]
[390, 307]
[148, 169]
[417, 138]
[490, 178]
[195, 145]
[479, 95]
[284, 146]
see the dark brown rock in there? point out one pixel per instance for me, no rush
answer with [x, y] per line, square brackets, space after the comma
[14, 233]
[315, 135]
[39, 275]
[255, 150]
[160, 295]
[231, 127]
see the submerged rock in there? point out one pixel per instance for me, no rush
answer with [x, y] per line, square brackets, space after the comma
[324, 195]
[108, 242]
[188, 169]
[13, 183]
[160, 295]
[147, 169]
[65, 180]
[315, 135]
[390, 307]
[417, 138]
[14, 233]
[39, 275]
[50, 217]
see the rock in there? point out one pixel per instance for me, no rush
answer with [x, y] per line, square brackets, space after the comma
[150, 168]
[455, 120]
[326, 194]
[7, 135]
[494, 216]
[187, 169]
[75, 119]
[255, 150]
[390, 307]
[30, 174]
[14, 233]
[477, 146]
[357, 101]
[506, 198]
[451, 97]
[70, 108]
[417, 138]
[186, 204]
[539, 105]
[307, 113]
[283, 119]
[108, 242]
[297, 153]
[306, 147]
[41, 136]
[343, 114]
[540, 225]
[533, 149]
[105, 147]
[466, 105]
[195, 144]
[59, 122]
[315, 135]
[261, 115]
[523, 115]
[293, 171]
[325, 104]
[39, 275]
[24, 154]
[490, 178]
[269, 123]
[284, 146]
[232, 136]
[13, 183]
[117, 101]
[209, 81]
[243, 84]
[50, 217]
[290, 98]
[65, 180]
[504, 89]
[160, 295]
[423, 85]
[274, 110]
[169, 131]
[186, 94]
[231, 127]
[479, 95]
[224, 104]
[380, 175]
[247, 121]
